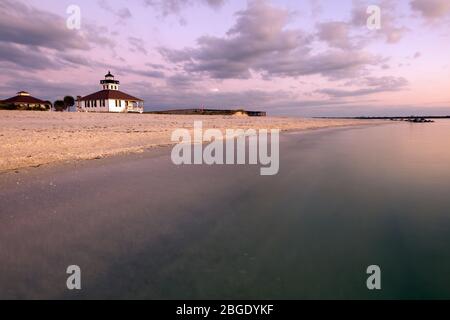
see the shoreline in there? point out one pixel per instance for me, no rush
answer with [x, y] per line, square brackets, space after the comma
[148, 153]
[32, 140]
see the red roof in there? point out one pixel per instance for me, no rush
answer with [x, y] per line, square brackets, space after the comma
[110, 94]
[24, 99]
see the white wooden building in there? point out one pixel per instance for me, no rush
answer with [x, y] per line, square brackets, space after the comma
[110, 99]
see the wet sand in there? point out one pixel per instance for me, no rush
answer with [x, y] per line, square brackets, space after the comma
[140, 227]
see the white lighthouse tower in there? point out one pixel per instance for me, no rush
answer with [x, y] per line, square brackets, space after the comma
[109, 83]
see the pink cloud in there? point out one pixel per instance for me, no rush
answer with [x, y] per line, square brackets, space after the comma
[431, 9]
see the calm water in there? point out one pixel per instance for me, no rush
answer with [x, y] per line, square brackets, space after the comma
[344, 199]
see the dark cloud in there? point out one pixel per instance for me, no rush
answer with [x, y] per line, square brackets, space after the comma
[22, 24]
[19, 56]
[372, 85]
[38, 40]
[259, 41]
[26, 25]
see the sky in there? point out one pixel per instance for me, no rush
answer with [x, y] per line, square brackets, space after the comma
[287, 57]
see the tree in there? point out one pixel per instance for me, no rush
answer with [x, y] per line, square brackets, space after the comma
[48, 105]
[69, 102]
[59, 105]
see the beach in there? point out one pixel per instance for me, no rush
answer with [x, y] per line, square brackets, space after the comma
[140, 227]
[33, 139]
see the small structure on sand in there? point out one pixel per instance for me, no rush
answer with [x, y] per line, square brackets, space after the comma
[24, 101]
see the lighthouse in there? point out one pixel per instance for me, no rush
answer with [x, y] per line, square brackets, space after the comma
[110, 99]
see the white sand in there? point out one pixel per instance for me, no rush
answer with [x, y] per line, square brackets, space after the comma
[37, 138]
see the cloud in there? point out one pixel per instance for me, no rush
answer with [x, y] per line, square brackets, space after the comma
[163, 98]
[75, 60]
[336, 34]
[373, 85]
[22, 24]
[136, 71]
[95, 36]
[15, 55]
[431, 9]
[137, 45]
[254, 44]
[46, 89]
[316, 8]
[331, 64]
[390, 31]
[39, 40]
[123, 13]
[168, 7]
[181, 82]
[26, 25]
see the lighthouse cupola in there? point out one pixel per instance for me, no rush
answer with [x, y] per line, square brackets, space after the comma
[109, 83]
